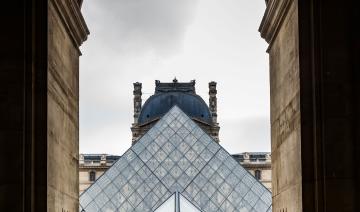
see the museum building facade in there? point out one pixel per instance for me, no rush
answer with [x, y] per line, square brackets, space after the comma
[176, 156]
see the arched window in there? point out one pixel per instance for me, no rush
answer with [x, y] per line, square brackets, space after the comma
[258, 174]
[92, 176]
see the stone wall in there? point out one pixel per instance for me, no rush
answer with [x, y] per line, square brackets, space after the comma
[285, 116]
[285, 108]
[63, 111]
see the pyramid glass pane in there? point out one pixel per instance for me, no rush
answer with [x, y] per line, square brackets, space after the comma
[176, 155]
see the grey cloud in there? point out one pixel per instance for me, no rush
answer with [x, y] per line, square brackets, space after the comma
[139, 26]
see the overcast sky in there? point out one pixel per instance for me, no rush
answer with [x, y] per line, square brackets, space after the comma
[148, 40]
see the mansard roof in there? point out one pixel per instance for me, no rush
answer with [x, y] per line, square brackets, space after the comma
[176, 155]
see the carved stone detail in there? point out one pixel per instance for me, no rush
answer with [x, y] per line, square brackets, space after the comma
[137, 101]
[213, 101]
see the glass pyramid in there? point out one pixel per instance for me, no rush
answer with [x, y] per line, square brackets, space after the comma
[176, 155]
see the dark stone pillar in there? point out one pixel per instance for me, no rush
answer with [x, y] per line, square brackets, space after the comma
[23, 108]
[314, 45]
[39, 42]
[329, 63]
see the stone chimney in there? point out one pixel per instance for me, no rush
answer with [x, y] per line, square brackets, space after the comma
[81, 159]
[137, 101]
[213, 101]
[246, 157]
[103, 160]
[268, 157]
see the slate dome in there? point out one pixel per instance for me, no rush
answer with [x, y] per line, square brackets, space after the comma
[157, 105]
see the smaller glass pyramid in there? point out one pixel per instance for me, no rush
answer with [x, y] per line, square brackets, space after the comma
[177, 203]
[176, 155]
[186, 205]
[168, 205]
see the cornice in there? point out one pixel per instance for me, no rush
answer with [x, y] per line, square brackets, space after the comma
[85, 167]
[257, 165]
[70, 15]
[275, 13]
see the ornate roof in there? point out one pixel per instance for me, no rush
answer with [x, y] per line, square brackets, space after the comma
[175, 86]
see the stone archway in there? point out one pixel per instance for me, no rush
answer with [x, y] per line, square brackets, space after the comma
[314, 51]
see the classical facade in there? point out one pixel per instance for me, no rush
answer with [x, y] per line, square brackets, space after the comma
[92, 166]
[258, 164]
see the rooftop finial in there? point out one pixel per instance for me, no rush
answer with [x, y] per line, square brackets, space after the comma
[175, 80]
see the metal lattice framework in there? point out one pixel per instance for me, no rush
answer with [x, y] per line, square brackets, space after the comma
[176, 155]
